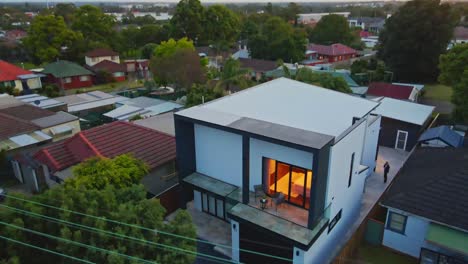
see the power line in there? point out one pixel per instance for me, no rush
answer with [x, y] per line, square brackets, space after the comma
[99, 231]
[148, 229]
[77, 243]
[46, 250]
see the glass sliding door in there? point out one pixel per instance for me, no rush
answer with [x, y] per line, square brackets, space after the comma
[294, 182]
[213, 205]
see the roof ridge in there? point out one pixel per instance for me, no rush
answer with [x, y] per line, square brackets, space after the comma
[90, 145]
[144, 128]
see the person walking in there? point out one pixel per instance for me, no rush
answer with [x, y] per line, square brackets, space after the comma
[386, 170]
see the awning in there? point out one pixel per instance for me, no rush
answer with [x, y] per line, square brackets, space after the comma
[61, 130]
[448, 238]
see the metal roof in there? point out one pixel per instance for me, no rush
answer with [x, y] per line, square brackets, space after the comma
[39, 101]
[404, 111]
[287, 103]
[53, 120]
[443, 133]
[163, 123]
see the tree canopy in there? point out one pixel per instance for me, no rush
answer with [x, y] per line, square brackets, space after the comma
[94, 25]
[332, 29]
[454, 71]
[233, 74]
[128, 205]
[203, 93]
[48, 36]
[187, 20]
[324, 80]
[414, 37]
[221, 25]
[98, 172]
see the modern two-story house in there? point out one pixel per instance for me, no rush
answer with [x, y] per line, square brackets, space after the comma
[283, 162]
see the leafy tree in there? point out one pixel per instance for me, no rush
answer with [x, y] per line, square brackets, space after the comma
[221, 25]
[148, 50]
[332, 29]
[96, 173]
[233, 74]
[47, 36]
[94, 25]
[199, 94]
[151, 34]
[324, 80]
[128, 205]
[359, 66]
[411, 49]
[454, 72]
[65, 10]
[169, 48]
[276, 39]
[187, 20]
[290, 12]
[51, 90]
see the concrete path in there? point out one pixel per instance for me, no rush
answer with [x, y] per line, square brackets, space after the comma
[374, 188]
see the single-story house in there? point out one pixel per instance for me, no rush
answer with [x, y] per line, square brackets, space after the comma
[442, 136]
[215, 58]
[138, 69]
[116, 69]
[54, 163]
[319, 54]
[68, 75]
[18, 78]
[15, 34]
[396, 91]
[258, 67]
[402, 122]
[460, 35]
[426, 207]
[142, 106]
[85, 103]
[369, 24]
[43, 102]
[163, 123]
[98, 55]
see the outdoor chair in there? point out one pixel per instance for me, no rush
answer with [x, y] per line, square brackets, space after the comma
[278, 199]
[259, 191]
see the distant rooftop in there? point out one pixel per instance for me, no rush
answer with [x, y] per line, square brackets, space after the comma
[80, 102]
[286, 105]
[404, 111]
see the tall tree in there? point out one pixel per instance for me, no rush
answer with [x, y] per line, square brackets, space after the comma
[47, 37]
[411, 48]
[233, 74]
[202, 93]
[221, 25]
[66, 11]
[187, 20]
[332, 29]
[324, 80]
[276, 39]
[95, 25]
[454, 72]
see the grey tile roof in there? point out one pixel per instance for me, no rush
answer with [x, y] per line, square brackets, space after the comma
[433, 184]
[53, 120]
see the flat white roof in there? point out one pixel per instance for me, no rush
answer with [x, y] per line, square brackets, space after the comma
[404, 111]
[289, 103]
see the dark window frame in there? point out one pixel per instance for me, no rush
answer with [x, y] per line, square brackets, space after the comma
[351, 168]
[389, 222]
[207, 209]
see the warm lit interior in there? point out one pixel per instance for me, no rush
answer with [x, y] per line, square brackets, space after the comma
[292, 181]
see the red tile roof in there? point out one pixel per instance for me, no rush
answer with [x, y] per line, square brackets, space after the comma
[101, 53]
[10, 72]
[109, 66]
[390, 90]
[110, 140]
[332, 50]
[461, 33]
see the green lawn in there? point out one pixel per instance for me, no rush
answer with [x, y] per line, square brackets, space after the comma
[108, 87]
[438, 92]
[379, 255]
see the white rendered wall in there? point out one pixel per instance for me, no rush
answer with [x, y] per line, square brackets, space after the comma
[218, 154]
[89, 61]
[411, 242]
[235, 240]
[370, 145]
[260, 149]
[339, 195]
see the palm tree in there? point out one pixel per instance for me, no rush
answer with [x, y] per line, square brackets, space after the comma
[233, 74]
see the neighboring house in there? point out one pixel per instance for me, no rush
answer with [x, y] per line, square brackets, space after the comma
[141, 106]
[319, 54]
[309, 152]
[369, 24]
[18, 78]
[427, 216]
[138, 69]
[43, 102]
[15, 35]
[163, 123]
[396, 91]
[99, 55]
[417, 86]
[92, 102]
[313, 18]
[68, 75]
[215, 58]
[154, 148]
[117, 70]
[402, 122]
[258, 67]
[441, 137]
[460, 35]
[370, 41]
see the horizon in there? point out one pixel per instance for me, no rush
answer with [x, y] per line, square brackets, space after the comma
[203, 1]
